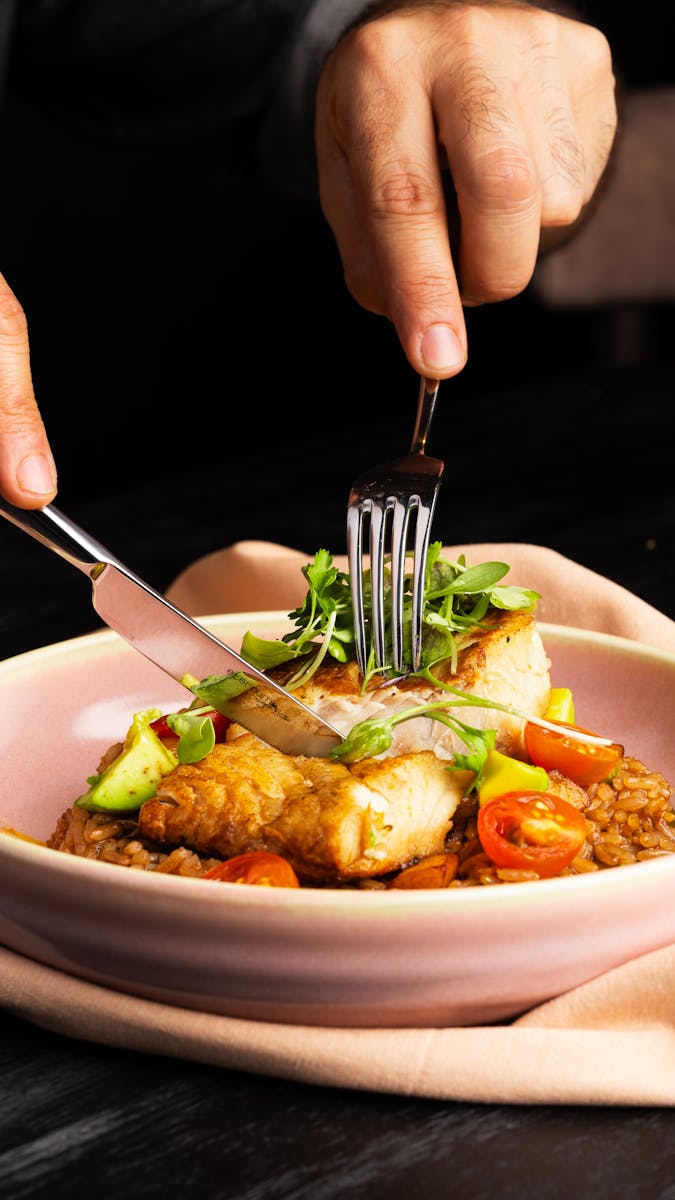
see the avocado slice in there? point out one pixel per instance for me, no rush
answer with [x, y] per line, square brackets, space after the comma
[132, 778]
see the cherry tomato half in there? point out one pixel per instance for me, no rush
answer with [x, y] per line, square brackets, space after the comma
[583, 762]
[532, 831]
[257, 866]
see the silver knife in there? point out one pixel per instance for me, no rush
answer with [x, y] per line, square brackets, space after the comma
[174, 641]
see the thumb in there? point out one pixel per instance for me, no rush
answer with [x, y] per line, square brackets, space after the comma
[27, 470]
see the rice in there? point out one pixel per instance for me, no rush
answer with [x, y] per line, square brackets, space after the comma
[115, 840]
[628, 820]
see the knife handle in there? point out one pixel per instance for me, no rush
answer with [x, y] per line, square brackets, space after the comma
[49, 526]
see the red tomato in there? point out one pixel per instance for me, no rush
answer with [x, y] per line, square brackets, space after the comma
[435, 871]
[582, 762]
[259, 867]
[532, 831]
[220, 725]
[161, 727]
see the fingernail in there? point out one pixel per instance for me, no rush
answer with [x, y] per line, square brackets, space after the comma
[35, 474]
[441, 348]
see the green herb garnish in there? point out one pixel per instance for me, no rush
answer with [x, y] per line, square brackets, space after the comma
[195, 732]
[456, 599]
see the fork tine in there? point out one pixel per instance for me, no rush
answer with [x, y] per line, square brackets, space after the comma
[399, 538]
[387, 496]
[378, 529]
[422, 530]
[355, 557]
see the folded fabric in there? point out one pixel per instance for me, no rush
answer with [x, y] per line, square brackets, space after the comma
[257, 576]
[610, 1041]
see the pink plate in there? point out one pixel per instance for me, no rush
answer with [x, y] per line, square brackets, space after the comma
[315, 956]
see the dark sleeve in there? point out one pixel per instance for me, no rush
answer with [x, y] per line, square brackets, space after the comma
[239, 75]
[286, 144]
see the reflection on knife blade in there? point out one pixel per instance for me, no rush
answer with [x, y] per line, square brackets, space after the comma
[182, 647]
[174, 641]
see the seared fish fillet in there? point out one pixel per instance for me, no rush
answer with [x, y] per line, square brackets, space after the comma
[336, 822]
[504, 661]
[332, 822]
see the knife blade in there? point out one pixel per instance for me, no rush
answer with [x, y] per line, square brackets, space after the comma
[174, 641]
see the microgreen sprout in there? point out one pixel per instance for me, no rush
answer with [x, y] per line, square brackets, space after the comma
[375, 735]
[457, 597]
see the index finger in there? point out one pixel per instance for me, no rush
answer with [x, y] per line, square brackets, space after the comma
[27, 470]
[388, 144]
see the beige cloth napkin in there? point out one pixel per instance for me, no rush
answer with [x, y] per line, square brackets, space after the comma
[260, 576]
[610, 1041]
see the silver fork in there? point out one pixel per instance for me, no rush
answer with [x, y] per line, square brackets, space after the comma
[387, 495]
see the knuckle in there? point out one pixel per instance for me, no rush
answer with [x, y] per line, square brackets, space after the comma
[18, 413]
[364, 57]
[372, 43]
[562, 207]
[429, 294]
[597, 52]
[492, 290]
[505, 175]
[13, 324]
[493, 279]
[405, 191]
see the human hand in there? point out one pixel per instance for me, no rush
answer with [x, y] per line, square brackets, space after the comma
[27, 471]
[515, 101]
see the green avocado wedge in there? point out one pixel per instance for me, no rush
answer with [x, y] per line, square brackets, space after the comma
[132, 778]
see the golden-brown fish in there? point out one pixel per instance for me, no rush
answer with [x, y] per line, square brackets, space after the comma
[332, 822]
[504, 661]
[339, 822]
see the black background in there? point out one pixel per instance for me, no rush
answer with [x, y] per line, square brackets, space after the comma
[206, 377]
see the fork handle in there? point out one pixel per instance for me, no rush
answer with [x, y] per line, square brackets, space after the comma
[425, 411]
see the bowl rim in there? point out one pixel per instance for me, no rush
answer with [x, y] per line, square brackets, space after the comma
[315, 899]
[311, 900]
[105, 638]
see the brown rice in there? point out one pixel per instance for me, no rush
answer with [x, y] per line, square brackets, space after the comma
[628, 820]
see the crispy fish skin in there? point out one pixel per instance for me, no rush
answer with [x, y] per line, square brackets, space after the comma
[332, 822]
[504, 661]
[336, 822]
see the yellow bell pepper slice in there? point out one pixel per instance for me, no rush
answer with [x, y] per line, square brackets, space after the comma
[505, 774]
[560, 706]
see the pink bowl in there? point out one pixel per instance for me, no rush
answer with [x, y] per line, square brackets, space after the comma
[314, 956]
